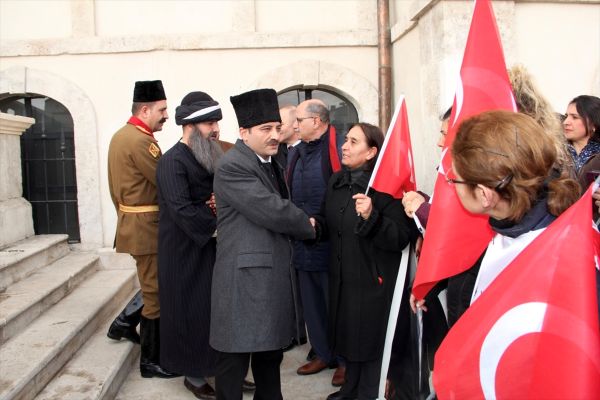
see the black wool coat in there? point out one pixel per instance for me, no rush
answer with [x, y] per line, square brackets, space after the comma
[186, 256]
[365, 257]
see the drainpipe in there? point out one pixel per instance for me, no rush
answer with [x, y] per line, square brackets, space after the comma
[384, 49]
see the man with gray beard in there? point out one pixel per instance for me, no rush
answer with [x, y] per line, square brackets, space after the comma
[187, 243]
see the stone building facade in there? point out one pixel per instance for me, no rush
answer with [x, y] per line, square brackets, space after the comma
[86, 55]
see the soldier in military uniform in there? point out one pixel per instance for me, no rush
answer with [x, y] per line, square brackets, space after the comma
[132, 159]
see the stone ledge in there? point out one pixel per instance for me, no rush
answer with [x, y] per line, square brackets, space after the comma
[14, 124]
[233, 40]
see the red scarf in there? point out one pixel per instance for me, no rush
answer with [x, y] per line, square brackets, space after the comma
[135, 121]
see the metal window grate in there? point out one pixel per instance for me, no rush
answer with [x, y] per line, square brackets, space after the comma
[48, 164]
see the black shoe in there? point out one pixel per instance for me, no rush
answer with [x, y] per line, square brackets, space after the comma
[123, 327]
[336, 396]
[118, 332]
[311, 355]
[248, 386]
[150, 354]
[204, 392]
[151, 370]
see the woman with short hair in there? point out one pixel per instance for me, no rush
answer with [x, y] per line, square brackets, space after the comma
[503, 167]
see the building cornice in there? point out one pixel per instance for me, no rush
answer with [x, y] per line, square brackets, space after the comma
[220, 41]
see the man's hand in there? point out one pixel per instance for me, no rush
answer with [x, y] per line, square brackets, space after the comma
[212, 203]
[414, 304]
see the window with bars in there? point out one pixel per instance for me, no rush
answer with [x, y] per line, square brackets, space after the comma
[48, 164]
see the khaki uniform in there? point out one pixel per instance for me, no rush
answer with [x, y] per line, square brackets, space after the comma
[132, 159]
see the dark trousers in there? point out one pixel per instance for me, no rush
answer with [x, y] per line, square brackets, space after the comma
[362, 380]
[314, 292]
[232, 369]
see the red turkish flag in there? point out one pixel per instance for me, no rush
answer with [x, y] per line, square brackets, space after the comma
[533, 333]
[394, 171]
[456, 238]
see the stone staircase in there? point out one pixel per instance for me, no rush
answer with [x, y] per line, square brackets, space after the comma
[55, 307]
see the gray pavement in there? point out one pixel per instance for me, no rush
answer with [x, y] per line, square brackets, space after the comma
[293, 386]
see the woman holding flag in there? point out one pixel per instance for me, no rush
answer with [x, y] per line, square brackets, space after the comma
[531, 286]
[503, 168]
[367, 235]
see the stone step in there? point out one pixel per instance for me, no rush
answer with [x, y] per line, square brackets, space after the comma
[98, 369]
[22, 258]
[23, 301]
[30, 360]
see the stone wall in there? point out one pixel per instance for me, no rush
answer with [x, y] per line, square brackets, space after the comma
[16, 220]
[87, 54]
[556, 40]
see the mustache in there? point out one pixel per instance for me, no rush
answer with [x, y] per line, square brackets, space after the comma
[163, 120]
[273, 142]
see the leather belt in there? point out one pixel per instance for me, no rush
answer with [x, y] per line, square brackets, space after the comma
[138, 209]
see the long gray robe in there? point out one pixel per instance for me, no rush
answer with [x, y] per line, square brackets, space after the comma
[186, 254]
[252, 302]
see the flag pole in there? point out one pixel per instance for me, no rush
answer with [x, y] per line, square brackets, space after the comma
[393, 320]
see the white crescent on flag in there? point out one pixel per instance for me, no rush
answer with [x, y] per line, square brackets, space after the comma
[521, 320]
[516, 322]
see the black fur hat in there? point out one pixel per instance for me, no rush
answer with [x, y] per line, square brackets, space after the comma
[148, 92]
[256, 107]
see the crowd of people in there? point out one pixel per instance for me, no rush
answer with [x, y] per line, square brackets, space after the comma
[244, 250]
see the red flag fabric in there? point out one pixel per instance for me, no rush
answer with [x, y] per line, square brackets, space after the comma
[533, 333]
[394, 171]
[456, 238]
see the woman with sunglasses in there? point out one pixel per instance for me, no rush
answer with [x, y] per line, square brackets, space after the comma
[503, 168]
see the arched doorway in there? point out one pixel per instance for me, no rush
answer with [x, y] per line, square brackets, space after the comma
[15, 81]
[342, 112]
[48, 164]
[313, 74]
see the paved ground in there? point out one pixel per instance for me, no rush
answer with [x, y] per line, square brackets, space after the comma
[294, 386]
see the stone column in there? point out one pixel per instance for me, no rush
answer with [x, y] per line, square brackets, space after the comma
[16, 221]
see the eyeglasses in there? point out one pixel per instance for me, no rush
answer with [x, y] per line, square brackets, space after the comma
[451, 179]
[300, 119]
[504, 182]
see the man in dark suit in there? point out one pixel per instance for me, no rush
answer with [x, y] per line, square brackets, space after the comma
[288, 137]
[187, 243]
[309, 168]
[253, 308]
